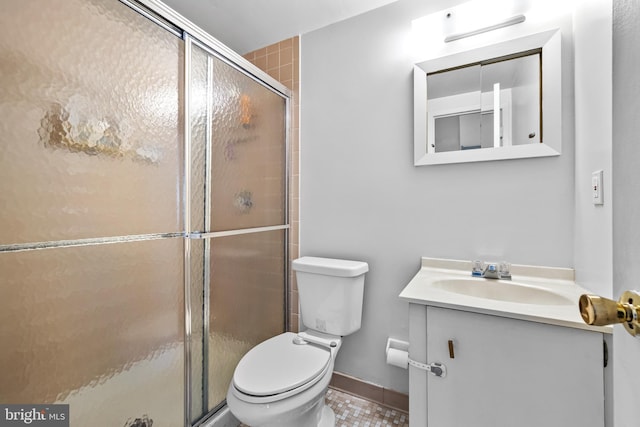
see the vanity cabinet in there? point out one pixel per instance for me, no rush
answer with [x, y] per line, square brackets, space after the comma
[504, 372]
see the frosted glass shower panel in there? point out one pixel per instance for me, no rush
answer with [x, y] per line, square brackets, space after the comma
[98, 327]
[249, 143]
[197, 286]
[89, 136]
[199, 117]
[246, 300]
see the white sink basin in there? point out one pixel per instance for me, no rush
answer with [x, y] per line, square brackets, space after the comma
[539, 294]
[502, 290]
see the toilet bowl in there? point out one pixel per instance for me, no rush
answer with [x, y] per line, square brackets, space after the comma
[282, 381]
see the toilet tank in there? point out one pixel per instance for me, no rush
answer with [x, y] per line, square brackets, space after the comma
[330, 292]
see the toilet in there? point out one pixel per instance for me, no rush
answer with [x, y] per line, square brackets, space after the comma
[282, 381]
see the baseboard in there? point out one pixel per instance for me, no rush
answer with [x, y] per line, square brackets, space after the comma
[373, 392]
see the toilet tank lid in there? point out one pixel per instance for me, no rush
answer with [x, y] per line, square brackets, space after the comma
[330, 266]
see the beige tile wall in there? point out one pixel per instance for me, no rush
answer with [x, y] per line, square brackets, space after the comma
[282, 62]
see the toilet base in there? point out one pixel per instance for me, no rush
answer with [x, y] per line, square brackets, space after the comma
[328, 418]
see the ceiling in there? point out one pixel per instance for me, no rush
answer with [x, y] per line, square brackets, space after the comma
[247, 25]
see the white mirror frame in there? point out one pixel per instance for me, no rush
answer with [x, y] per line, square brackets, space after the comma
[550, 42]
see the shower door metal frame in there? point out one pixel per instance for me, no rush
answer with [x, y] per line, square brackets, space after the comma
[208, 236]
[175, 23]
[172, 21]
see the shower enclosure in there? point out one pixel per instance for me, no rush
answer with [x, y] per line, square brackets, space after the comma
[143, 211]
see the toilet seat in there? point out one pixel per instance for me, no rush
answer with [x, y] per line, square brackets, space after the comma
[278, 368]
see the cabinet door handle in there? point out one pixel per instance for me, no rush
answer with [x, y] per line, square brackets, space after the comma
[451, 352]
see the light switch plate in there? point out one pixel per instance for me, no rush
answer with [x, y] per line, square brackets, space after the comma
[596, 187]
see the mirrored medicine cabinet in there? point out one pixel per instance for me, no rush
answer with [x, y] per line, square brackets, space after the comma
[497, 102]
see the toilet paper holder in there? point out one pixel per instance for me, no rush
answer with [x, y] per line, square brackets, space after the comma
[397, 352]
[395, 344]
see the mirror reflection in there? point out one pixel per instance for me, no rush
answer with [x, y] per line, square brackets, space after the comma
[494, 103]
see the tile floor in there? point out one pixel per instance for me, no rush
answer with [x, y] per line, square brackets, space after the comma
[353, 411]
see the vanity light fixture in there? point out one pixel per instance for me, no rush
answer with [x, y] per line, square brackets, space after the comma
[506, 23]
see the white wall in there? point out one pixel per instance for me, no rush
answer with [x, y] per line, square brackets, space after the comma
[626, 200]
[593, 92]
[593, 224]
[362, 198]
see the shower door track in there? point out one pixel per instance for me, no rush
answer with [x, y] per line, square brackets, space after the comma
[177, 24]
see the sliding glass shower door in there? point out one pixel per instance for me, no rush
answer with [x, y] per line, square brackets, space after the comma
[238, 219]
[91, 237]
[143, 215]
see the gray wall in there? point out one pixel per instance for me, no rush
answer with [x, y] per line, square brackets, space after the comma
[362, 198]
[626, 202]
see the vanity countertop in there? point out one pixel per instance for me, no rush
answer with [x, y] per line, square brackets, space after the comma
[426, 289]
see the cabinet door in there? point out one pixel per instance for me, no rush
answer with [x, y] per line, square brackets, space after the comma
[508, 372]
